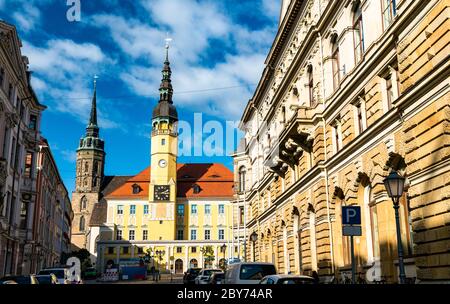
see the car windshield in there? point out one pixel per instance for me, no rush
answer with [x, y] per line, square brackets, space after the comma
[295, 281]
[194, 271]
[256, 272]
[59, 273]
[209, 272]
[44, 279]
[18, 280]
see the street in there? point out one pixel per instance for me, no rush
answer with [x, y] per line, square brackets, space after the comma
[165, 279]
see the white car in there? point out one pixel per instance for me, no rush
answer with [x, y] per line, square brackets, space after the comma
[61, 273]
[287, 279]
[204, 275]
[248, 272]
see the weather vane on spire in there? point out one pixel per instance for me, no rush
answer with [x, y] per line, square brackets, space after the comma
[95, 81]
[168, 41]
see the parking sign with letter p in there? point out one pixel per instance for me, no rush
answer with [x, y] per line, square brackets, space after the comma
[351, 215]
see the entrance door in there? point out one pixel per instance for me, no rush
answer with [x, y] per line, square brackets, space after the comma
[179, 266]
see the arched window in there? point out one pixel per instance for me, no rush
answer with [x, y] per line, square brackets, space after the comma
[95, 168]
[312, 237]
[86, 167]
[310, 86]
[242, 172]
[297, 241]
[83, 204]
[336, 64]
[82, 223]
[370, 209]
[287, 265]
[283, 114]
[358, 32]
[193, 263]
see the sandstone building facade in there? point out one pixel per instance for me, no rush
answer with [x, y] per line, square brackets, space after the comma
[35, 212]
[351, 90]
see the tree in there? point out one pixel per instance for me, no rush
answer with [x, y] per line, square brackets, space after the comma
[208, 253]
[84, 256]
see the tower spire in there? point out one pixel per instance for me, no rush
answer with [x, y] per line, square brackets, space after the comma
[165, 89]
[92, 129]
[165, 107]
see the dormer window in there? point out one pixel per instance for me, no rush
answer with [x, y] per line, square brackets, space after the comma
[196, 189]
[136, 189]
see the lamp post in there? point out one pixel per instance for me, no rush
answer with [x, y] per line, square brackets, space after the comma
[224, 250]
[394, 184]
[159, 253]
[253, 238]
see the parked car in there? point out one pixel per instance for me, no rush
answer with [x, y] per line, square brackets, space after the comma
[287, 279]
[248, 272]
[90, 273]
[190, 275]
[23, 280]
[62, 273]
[204, 275]
[217, 278]
[47, 279]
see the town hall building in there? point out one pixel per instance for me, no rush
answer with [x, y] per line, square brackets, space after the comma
[179, 215]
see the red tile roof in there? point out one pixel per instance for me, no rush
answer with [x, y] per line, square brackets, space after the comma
[214, 180]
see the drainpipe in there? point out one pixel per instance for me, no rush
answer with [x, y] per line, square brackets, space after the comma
[326, 155]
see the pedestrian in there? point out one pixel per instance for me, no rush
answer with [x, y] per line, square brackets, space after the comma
[152, 271]
[315, 276]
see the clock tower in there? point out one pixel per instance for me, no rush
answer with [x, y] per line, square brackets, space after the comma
[164, 146]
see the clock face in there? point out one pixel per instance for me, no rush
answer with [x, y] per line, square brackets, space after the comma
[162, 163]
[162, 193]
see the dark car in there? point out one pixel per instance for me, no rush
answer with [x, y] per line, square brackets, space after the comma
[217, 278]
[23, 280]
[50, 279]
[190, 275]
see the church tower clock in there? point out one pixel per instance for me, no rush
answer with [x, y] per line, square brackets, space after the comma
[164, 146]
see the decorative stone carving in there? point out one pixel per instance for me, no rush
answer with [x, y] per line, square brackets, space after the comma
[12, 119]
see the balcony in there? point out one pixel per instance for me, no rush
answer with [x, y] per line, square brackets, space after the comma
[164, 132]
[294, 140]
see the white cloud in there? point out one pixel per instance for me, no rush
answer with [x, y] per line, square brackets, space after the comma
[69, 155]
[62, 73]
[272, 8]
[27, 17]
[196, 29]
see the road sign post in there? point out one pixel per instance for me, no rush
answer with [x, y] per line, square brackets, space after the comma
[351, 226]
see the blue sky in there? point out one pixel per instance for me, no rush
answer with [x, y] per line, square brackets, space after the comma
[216, 45]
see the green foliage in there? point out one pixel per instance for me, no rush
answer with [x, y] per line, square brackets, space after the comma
[208, 253]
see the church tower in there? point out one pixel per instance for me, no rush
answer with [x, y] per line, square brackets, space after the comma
[164, 146]
[89, 176]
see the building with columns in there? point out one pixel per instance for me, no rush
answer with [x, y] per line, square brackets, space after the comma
[351, 91]
[181, 211]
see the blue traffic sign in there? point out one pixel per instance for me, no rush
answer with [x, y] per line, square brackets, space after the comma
[351, 215]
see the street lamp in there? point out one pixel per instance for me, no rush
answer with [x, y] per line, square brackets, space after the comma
[224, 250]
[253, 238]
[160, 253]
[394, 184]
